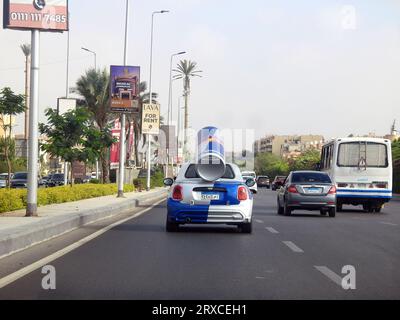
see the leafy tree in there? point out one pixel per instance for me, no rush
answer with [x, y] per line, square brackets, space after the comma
[73, 137]
[307, 161]
[11, 105]
[270, 165]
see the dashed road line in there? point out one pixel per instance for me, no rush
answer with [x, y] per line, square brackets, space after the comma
[293, 247]
[388, 223]
[272, 230]
[330, 274]
[259, 221]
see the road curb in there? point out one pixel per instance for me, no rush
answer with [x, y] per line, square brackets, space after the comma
[20, 238]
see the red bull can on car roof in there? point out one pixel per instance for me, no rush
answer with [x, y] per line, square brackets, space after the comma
[210, 154]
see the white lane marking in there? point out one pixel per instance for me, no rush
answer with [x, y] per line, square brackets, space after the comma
[272, 230]
[260, 278]
[388, 223]
[259, 221]
[45, 261]
[330, 274]
[293, 247]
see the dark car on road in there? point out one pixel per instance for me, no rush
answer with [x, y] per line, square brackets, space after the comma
[278, 182]
[263, 182]
[307, 190]
[56, 180]
[20, 180]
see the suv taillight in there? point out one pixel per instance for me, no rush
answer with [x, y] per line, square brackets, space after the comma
[242, 193]
[292, 189]
[177, 193]
[332, 190]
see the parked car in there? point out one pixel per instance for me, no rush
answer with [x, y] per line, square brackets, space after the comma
[3, 180]
[307, 190]
[278, 182]
[254, 188]
[263, 182]
[20, 180]
[56, 180]
[192, 200]
[45, 180]
[143, 173]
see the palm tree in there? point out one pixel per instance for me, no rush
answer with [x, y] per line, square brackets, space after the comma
[186, 70]
[94, 87]
[26, 49]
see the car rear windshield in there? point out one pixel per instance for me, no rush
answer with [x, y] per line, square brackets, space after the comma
[58, 176]
[191, 173]
[310, 177]
[263, 179]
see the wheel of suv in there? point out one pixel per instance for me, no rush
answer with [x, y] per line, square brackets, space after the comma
[280, 209]
[246, 227]
[332, 212]
[287, 210]
[171, 226]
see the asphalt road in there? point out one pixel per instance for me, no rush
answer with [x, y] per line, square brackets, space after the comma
[297, 257]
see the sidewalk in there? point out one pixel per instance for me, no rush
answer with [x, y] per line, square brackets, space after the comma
[18, 232]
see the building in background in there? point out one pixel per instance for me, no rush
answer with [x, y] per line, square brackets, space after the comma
[288, 146]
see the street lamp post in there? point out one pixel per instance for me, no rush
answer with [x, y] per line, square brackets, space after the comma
[95, 67]
[179, 130]
[95, 56]
[151, 95]
[170, 102]
[122, 147]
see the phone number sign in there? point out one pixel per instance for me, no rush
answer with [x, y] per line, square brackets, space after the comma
[44, 15]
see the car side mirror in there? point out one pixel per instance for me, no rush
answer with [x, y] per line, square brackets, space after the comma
[250, 183]
[168, 182]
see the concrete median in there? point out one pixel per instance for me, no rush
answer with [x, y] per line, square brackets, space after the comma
[18, 232]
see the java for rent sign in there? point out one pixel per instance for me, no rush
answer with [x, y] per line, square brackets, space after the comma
[151, 119]
[44, 15]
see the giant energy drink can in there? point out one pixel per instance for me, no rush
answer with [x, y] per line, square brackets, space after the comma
[210, 154]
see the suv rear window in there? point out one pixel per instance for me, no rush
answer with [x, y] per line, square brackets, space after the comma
[312, 177]
[191, 173]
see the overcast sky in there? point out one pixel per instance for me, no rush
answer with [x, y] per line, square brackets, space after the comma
[279, 67]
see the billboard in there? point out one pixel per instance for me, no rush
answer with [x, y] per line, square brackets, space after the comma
[151, 119]
[124, 86]
[44, 15]
[114, 150]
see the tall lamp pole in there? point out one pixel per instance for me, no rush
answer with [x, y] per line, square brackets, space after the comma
[95, 68]
[151, 95]
[66, 96]
[95, 56]
[170, 102]
[122, 147]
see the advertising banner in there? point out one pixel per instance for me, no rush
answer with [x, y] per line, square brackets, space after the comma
[151, 119]
[44, 15]
[124, 86]
[114, 150]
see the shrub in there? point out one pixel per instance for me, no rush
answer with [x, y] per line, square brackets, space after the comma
[94, 181]
[15, 199]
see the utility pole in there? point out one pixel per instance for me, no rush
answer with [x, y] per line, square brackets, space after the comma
[122, 149]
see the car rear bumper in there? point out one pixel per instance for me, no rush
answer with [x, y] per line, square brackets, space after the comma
[203, 214]
[298, 201]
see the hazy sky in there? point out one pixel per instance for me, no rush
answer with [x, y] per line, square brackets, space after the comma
[280, 67]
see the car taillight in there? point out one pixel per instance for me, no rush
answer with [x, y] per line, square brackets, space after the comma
[177, 193]
[332, 190]
[242, 193]
[292, 189]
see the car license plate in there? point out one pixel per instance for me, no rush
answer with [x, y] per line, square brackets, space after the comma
[208, 196]
[314, 190]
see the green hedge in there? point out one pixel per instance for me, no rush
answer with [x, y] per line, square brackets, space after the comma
[157, 180]
[15, 199]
